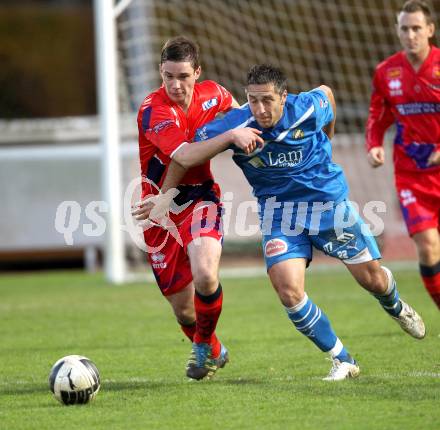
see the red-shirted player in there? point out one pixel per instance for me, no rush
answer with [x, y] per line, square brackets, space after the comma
[406, 91]
[185, 263]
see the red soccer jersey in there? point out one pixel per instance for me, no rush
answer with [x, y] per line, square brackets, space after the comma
[163, 127]
[412, 100]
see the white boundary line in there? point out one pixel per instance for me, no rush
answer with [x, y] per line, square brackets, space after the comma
[260, 271]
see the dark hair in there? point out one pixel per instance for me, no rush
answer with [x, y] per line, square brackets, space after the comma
[261, 74]
[180, 49]
[412, 6]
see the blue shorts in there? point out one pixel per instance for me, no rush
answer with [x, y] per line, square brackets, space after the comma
[350, 239]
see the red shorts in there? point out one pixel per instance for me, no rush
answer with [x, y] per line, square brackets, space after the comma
[419, 196]
[167, 249]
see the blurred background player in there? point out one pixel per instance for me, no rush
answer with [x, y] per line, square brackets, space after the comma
[186, 270]
[294, 168]
[406, 91]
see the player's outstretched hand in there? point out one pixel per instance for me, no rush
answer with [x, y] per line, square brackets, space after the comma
[434, 159]
[247, 139]
[376, 156]
[141, 210]
[155, 208]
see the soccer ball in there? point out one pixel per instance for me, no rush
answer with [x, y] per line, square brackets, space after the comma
[74, 379]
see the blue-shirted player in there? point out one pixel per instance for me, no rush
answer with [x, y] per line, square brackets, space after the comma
[302, 198]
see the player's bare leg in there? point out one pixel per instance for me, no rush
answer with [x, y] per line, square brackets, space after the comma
[428, 249]
[208, 354]
[287, 278]
[379, 281]
[183, 308]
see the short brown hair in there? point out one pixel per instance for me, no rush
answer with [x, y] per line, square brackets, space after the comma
[412, 6]
[180, 49]
[261, 74]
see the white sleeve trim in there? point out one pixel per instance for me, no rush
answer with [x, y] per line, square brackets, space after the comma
[306, 115]
[174, 152]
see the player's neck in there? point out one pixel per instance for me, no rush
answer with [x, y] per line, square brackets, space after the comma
[186, 103]
[184, 106]
[417, 60]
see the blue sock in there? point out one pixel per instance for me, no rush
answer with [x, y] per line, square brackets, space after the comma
[313, 323]
[390, 300]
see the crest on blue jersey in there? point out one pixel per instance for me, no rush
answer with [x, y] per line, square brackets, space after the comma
[298, 133]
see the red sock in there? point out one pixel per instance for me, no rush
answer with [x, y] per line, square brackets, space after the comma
[189, 330]
[208, 310]
[431, 279]
[216, 346]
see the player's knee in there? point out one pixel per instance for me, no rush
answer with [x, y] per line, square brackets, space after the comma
[205, 279]
[429, 252]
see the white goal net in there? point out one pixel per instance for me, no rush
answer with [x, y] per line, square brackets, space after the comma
[337, 43]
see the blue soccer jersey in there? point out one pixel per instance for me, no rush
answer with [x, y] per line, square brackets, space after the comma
[295, 163]
[302, 194]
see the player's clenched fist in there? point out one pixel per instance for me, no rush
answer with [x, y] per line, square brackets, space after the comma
[376, 156]
[247, 139]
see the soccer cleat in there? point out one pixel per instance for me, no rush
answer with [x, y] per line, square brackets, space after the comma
[342, 370]
[191, 360]
[201, 364]
[410, 321]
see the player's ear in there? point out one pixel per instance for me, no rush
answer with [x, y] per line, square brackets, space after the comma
[283, 97]
[431, 30]
[198, 72]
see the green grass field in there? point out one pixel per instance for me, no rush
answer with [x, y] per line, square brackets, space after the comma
[272, 382]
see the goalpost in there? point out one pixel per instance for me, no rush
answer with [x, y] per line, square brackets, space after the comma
[108, 109]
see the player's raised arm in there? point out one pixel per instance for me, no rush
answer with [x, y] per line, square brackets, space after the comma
[329, 129]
